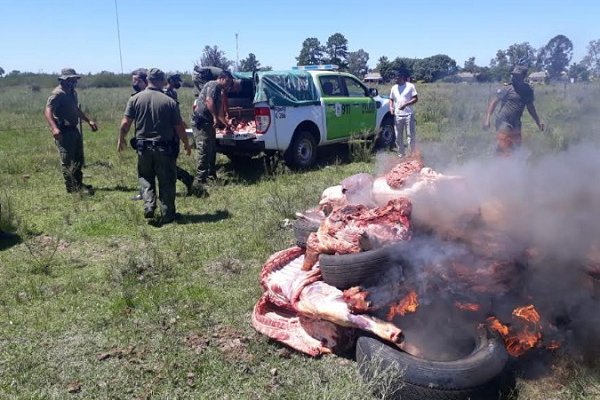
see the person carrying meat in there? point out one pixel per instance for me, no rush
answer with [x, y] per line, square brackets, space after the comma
[512, 99]
[208, 115]
[62, 112]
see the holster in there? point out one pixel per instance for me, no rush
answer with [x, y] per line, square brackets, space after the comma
[170, 149]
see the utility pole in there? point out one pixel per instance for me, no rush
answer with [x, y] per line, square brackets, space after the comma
[237, 54]
[119, 36]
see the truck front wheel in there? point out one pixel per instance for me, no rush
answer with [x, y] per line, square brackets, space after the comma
[386, 137]
[302, 153]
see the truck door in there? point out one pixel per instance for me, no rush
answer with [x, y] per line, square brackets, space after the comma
[337, 107]
[363, 109]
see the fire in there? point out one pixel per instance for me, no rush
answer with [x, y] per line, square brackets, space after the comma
[528, 313]
[524, 334]
[498, 326]
[406, 305]
[467, 306]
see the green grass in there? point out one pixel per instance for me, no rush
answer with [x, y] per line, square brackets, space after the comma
[92, 297]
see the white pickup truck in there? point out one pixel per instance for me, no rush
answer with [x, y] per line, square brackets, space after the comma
[299, 110]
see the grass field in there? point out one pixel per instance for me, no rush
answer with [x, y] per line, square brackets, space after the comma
[95, 303]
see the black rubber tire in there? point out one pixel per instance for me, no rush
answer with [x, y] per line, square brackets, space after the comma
[386, 137]
[302, 153]
[303, 228]
[239, 160]
[476, 376]
[347, 270]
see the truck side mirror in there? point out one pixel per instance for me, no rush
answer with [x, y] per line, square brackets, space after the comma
[373, 92]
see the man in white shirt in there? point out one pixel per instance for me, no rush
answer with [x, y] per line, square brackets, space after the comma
[402, 97]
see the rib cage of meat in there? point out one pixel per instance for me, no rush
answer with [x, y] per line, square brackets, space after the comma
[299, 309]
[352, 228]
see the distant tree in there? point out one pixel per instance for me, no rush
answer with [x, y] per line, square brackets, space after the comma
[311, 52]
[470, 65]
[385, 68]
[556, 56]
[404, 65]
[436, 67]
[1, 72]
[521, 54]
[579, 72]
[592, 58]
[213, 57]
[249, 64]
[336, 49]
[357, 62]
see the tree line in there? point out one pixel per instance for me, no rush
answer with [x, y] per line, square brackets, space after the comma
[554, 59]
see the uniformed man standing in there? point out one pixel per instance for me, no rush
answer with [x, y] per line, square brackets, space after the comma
[62, 113]
[208, 115]
[157, 121]
[174, 83]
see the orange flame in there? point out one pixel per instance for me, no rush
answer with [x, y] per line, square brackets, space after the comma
[467, 306]
[406, 305]
[528, 313]
[518, 342]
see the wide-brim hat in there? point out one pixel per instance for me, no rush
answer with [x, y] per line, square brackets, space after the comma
[67, 73]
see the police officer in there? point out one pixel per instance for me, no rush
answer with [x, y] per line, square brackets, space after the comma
[157, 121]
[62, 113]
[174, 83]
[208, 115]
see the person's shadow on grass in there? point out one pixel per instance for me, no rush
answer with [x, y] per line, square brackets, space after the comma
[8, 240]
[185, 219]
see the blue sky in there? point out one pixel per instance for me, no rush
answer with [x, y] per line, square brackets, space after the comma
[44, 35]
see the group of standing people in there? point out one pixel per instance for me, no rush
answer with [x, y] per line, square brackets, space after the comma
[153, 110]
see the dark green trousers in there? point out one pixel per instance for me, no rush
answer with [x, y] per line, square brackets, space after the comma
[154, 165]
[206, 143]
[70, 150]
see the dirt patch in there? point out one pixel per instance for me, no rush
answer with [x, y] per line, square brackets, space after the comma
[231, 343]
[227, 266]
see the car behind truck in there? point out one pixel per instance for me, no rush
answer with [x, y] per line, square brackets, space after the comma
[295, 112]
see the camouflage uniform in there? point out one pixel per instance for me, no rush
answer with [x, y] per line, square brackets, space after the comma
[205, 134]
[182, 174]
[65, 111]
[155, 116]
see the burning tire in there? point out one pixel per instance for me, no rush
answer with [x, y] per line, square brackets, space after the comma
[346, 270]
[399, 375]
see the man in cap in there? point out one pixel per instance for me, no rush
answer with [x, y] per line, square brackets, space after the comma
[208, 115]
[174, 83]
[513, 99]
[157, 121]
[62, 113]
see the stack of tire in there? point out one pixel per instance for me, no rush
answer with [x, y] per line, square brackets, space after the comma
[395, 374]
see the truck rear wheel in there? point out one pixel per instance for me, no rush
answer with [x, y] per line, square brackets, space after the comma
[302, 153]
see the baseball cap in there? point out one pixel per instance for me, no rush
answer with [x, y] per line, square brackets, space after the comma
[156, 74]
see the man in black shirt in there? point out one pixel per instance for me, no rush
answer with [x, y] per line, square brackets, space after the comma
[513, 99]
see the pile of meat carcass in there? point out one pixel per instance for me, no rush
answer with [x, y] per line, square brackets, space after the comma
[362, 213]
